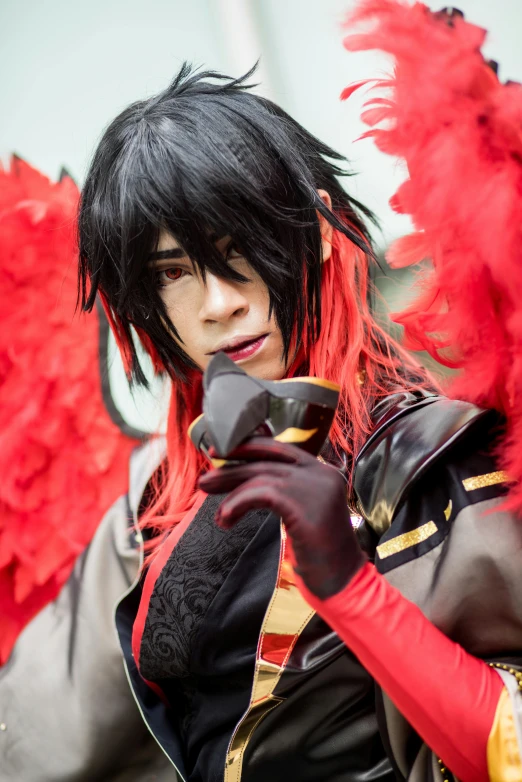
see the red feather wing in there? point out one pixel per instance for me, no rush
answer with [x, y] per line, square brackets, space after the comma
[459, 130]
[62, 460]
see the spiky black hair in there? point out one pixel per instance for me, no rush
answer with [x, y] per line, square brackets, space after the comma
[204, 158]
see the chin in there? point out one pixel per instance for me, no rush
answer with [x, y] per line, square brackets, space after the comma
[266, 370]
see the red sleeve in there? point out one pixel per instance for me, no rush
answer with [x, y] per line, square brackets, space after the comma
[447, 695]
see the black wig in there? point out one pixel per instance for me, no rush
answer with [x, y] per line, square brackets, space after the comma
[207, 158]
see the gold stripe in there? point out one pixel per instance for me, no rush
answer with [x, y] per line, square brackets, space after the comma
[406, 540]
[315, 381]
[234, 761]
[447, 512]
[481, 481]
[287, 615]
[193, 424]
[503, 753]
[295, 435]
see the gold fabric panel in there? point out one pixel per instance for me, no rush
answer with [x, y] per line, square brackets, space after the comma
[194, 422]
[406, 540]
[287, 615]
[294, 435]
[481, 481]
[503, 753]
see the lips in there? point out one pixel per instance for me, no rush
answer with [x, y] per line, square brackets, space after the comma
[238, 350]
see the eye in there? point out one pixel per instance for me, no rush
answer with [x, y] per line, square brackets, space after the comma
[233, 251]
[171, 274]
[174, 273]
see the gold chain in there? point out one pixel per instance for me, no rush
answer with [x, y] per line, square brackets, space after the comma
[443, 771]
[512, 671]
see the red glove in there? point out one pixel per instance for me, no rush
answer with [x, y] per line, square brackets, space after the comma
[395, 642]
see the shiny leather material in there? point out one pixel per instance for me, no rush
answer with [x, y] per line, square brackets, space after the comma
[324, 729]
[466, 578]
[411, 433]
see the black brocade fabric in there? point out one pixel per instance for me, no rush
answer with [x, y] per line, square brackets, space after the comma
[193, 575]
[186, 587]
[199, 645]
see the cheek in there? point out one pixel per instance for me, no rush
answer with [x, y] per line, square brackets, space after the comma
[181, 303]
[259, 298]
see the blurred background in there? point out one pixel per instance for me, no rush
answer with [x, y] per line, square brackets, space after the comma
[68, 67]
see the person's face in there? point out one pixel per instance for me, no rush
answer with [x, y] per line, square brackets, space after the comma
[218, 314]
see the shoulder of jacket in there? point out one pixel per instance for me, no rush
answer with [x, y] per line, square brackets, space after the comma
[144, 461]
[411, 434]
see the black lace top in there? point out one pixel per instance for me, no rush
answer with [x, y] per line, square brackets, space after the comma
[185, 588]
[199, 644]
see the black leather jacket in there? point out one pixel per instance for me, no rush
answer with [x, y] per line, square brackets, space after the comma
[322, 722]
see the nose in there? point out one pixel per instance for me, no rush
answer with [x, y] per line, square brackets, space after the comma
[222, 300]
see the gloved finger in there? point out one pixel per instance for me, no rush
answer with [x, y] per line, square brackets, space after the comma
[253, 495]
[225, 479]
[269, 449]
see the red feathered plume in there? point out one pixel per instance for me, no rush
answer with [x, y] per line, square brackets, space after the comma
[459, 130]
[62, 461]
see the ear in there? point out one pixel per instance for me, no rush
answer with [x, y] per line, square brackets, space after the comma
[325, 227]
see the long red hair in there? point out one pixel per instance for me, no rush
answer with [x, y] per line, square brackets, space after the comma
[352, 350]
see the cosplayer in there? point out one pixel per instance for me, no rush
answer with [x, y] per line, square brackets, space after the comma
[68, 548]
[212, 222]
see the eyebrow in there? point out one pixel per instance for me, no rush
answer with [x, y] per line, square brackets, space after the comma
[161, 255]
[179, 252]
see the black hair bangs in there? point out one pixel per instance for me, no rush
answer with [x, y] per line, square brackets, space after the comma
[204, 160]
